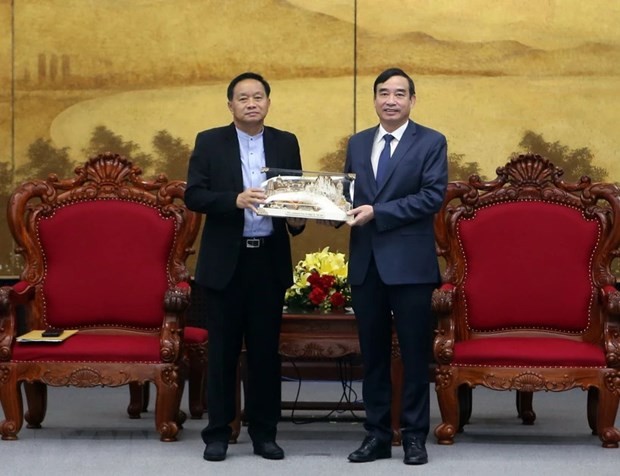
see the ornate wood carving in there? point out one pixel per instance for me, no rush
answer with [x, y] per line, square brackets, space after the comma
[443, 346]
[316, 349]
[5, 372]
[443, 300]
[612, 382]
[528, 178]
[443, 377]
[105, 178]
[612, 344]
[530, 382]
[83, 377]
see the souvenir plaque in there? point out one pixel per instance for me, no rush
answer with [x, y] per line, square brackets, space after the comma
[301, 194]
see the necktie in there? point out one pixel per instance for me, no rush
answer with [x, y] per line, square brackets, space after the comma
[384, 159]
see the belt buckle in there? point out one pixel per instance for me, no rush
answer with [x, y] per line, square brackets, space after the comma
[252, 243]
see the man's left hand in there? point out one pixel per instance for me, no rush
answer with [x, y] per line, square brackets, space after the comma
[363, 214]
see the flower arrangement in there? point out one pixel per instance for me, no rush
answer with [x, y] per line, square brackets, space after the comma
[320, 283]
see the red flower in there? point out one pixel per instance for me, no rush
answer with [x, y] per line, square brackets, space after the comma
[314, 279]
[327, 281]
[317, 295]
[337, 299]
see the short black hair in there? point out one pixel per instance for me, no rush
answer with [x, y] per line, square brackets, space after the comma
[244, 76]
[388, 73]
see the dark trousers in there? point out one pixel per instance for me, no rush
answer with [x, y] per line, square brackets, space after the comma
[374, 303]
[248, 310]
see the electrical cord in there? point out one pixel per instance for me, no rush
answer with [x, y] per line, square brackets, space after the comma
[348, 396]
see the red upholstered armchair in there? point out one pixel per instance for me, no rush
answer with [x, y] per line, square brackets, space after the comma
[104, 253]
[528, 301]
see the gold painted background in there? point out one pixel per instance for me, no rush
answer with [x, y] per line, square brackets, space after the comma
[141, 77]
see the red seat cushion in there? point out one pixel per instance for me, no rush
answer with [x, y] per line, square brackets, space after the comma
[195, 335]
[528, 352]
[92, 348]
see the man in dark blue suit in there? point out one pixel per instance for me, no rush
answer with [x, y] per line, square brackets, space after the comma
[244, 263]
[401, 177]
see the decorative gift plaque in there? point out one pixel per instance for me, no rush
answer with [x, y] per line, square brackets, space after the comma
[302, 194]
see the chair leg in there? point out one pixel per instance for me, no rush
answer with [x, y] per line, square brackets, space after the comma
[181, 415]
[196, 357]
[138, 399]
[525, 408]
[12, 404]
[36, 399]
[167, 404]
[447, 397]
[608, 401]
[465, 405]
[146, 395]
[592, 408]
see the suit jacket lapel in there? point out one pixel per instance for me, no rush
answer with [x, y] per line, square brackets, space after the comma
[367, 164]
[234, 156]
[271, 155]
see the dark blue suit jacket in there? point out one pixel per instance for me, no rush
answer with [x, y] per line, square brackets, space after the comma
[401, 236]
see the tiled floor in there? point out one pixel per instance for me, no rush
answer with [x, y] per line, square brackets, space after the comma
[86, 432]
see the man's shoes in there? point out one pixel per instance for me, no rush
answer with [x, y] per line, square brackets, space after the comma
[215, 451]
[415, 451]
[268, 450]
[372, 449]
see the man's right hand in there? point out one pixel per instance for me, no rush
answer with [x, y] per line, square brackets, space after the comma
[251, 198]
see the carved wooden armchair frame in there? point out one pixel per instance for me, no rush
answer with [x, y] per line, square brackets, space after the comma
[528, 300]
[104, 252]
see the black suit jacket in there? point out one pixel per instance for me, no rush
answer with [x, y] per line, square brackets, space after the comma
[213, 183]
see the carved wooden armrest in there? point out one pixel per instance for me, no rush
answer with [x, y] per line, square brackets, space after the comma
[611, 301]
[443, 299]
[176, 301]
[443, 305]
[611, 331]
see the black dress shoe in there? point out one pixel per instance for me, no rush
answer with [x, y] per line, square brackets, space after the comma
[268, 450]
[215, 451]
[415, 451]
[372, 448]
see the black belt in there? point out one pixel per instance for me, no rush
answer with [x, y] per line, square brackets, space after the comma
[255, 242]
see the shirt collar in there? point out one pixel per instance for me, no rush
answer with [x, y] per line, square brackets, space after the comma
[397, 134]
[245, 135]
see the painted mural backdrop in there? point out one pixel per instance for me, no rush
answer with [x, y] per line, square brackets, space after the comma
[141, 77]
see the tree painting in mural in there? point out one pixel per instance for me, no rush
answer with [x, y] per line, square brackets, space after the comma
[575, 162]
[45, 159]
[7, 259]
[171, 155]
[103, 140]
[459, 170]
[334, 161]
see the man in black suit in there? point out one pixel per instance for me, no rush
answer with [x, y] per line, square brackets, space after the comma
[244, 264]
[401, 177]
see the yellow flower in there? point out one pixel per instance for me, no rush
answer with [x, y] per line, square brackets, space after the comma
[320, 282]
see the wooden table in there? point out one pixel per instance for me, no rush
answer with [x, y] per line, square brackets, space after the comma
[306, 336]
